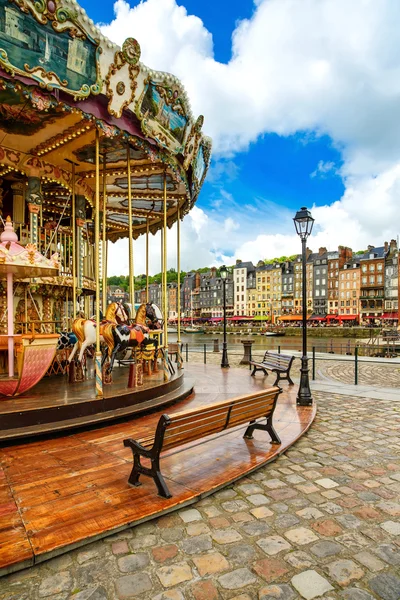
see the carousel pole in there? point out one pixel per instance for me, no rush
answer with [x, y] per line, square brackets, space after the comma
[130, 233]
[178, 290]
[147, 259]
[74, 244]
[165, 302]
[99, 375]
[10, 324]
[104, 248]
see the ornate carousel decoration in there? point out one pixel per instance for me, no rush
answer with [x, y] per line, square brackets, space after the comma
[95, 147]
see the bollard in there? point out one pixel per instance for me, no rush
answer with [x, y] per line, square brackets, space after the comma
[247, 344]
[313, 363]
[205, 354]
[187, 352]
[356, 365]
[348, 348]
[331, 351]
[279, 349]
[216, 345]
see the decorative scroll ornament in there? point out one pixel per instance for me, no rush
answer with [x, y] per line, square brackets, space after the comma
[46, 41]
[124, 69]
[192, 143]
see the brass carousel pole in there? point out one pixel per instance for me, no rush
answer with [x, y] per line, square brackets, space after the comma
[104, 247]
[147, 259]
[178, 290]
[165, 302]
[99, 375]
[130, 233]
[74, 246]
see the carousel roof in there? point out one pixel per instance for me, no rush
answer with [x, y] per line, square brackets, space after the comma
[60, 81]
[23, 261]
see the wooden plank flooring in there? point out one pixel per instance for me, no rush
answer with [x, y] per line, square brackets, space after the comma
[60, 493]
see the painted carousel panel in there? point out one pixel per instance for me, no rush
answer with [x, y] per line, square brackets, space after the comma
[54, 58]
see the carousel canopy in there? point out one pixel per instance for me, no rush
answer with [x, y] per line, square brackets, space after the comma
[23, 261]
[60, 81]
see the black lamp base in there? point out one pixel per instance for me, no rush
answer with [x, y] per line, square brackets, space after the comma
[304, 397]
[224, 361]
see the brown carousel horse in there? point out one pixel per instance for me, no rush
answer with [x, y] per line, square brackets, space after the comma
[114, 332]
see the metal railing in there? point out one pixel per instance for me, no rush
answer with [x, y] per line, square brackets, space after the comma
[208, 349]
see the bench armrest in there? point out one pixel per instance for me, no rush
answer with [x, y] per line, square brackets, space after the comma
[137, 448]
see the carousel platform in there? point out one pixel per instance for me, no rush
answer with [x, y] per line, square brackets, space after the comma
[59, 494]
[54, 405]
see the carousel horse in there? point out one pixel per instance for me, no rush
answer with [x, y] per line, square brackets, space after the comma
[115, 336]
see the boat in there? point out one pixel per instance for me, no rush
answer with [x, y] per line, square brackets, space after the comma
[192, 328]
[273, 333]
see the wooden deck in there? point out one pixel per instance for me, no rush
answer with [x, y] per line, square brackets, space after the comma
[61, 493]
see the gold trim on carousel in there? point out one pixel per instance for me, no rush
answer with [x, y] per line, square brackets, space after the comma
[63, 138]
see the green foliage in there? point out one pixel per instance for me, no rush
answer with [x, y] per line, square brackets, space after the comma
[281, 259]
[359, 252]
[122, 281]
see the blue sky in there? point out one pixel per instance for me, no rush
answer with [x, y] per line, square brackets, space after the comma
[301, 100]
[274, 167]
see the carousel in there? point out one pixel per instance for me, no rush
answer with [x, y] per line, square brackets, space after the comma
[94, 147]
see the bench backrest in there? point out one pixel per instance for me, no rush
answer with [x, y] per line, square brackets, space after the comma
[188, 426]
[279, 360]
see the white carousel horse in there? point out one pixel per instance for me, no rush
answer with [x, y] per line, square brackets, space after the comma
[85, 331]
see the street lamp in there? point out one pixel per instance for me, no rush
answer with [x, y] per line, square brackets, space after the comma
[224, 273]
[303, 223]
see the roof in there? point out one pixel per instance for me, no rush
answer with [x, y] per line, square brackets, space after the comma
[379, 251]
[245, 265]
[265, 268]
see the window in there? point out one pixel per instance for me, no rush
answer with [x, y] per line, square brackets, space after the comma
[379, 266]
[364, 268]
[372, 268]
[372, 279]
[379, 278]
[317, 292]
[364, 280]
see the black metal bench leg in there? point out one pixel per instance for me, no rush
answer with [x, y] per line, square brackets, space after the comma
[290, 380]
[135, 473]
[274, 436]
[248, 434]
[162, 488]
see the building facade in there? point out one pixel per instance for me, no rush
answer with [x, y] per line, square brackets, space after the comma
[372, 284]
[391, 312]
[241, 273]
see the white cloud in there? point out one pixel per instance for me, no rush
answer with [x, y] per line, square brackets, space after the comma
[323, 169]
[315, 66]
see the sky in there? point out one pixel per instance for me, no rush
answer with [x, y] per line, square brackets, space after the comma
[302, 101]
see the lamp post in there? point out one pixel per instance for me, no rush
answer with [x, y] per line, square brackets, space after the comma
[304, 222]
[224, 273]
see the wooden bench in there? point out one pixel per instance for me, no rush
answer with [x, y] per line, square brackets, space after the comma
[191, 425]
[277, 363]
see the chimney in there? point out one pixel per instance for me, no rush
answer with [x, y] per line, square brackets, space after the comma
[308, 253]
[369, 247]
[322, 251]
[393, 244]
[238, 261]
[386, 245]
[213, 272]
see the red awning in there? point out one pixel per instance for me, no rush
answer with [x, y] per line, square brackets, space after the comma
[316, 318]
[347, 317]
[371, 317]
[390, 316]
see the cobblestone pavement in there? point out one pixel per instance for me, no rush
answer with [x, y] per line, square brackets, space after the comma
[321, 521]
[372, 373]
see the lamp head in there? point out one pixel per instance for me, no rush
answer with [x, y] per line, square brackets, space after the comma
[223, 272]
[303, 223]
